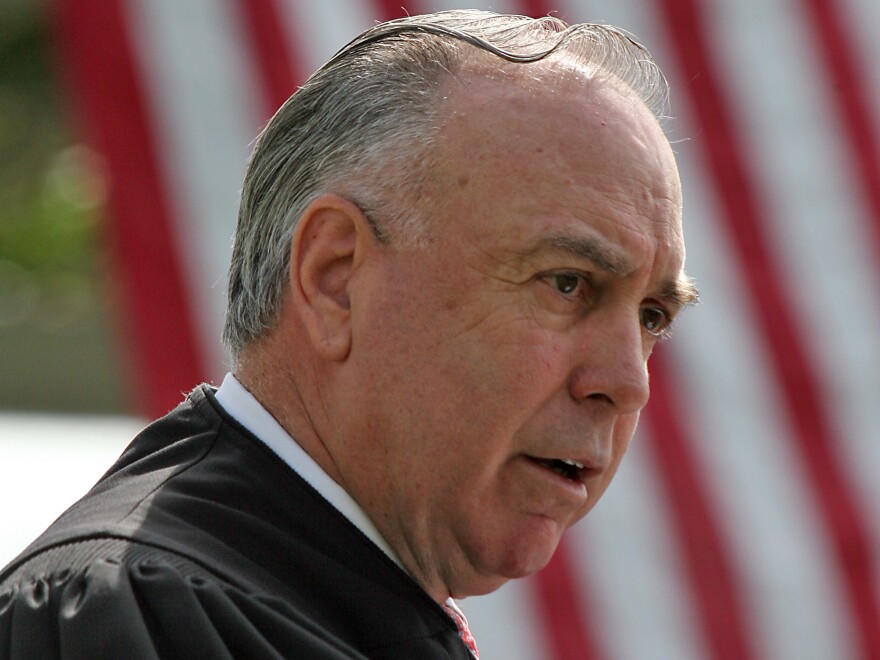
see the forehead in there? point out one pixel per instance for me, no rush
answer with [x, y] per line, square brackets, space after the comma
[555, 150]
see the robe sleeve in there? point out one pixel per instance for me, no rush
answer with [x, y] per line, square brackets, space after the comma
[149, 609]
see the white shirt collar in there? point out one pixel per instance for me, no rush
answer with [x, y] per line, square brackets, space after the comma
[248, 412]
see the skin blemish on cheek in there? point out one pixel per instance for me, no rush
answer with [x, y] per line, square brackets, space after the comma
[463, 180]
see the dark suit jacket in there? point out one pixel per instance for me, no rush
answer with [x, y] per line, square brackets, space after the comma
[201, 542]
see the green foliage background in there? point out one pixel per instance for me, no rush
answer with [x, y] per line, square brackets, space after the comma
[58, 345]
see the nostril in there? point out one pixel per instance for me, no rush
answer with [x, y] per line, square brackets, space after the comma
[600, 396]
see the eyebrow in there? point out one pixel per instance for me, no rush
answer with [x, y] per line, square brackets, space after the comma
[602, 255]
[681, 291]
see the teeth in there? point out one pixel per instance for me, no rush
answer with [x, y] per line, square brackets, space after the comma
[565, 467]
[572, 463]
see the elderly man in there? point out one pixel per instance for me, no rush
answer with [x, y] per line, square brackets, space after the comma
[458, 245]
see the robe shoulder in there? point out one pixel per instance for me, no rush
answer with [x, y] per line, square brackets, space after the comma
[201, 542]
[102, 600]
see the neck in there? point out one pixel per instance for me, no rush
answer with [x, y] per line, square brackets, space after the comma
[280, 390]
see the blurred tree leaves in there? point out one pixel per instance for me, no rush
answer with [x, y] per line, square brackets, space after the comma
[45, 223]
[53, 307]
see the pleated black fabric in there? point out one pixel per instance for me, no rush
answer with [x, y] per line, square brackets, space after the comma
[201, 543]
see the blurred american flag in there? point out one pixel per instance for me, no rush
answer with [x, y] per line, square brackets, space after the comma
[745, 524]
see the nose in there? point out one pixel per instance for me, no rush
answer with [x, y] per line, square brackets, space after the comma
[612, 363]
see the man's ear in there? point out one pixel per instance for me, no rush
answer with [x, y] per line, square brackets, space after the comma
[328, 245]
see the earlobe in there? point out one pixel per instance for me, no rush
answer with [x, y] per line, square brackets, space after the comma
[325, 253]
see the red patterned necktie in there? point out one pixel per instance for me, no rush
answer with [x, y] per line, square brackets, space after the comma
[463, 631]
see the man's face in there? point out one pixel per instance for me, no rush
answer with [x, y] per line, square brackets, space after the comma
[500, 368]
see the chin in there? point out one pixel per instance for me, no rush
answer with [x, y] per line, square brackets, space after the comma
[518, 557]
[512, 567]
[529, 561]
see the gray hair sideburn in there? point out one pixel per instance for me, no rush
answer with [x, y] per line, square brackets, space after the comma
[362, 126]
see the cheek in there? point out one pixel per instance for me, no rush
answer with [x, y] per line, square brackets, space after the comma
[504, 395]
[526, 353]
[470, 363]
[505, 385]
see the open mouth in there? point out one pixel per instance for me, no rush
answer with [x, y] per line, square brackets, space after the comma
[564, 467]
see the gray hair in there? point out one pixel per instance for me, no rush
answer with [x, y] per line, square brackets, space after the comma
[363, 126]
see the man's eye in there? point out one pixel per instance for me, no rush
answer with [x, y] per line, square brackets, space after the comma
[654, 320]
[565, 283]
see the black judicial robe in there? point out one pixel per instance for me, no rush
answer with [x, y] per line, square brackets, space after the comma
[201, 543]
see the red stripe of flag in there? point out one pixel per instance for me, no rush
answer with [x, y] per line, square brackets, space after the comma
[273, 54]
[744, 216]
[106, 81]
[536, 8]
[562, 609]
[387, 10]
[849, 94]
[719, 602]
